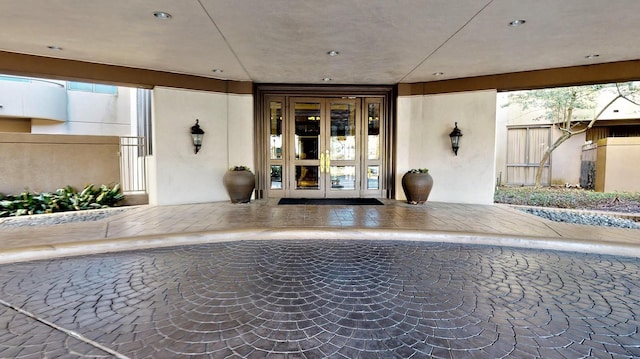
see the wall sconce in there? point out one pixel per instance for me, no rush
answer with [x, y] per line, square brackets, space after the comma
[196, 134]
[455, 139]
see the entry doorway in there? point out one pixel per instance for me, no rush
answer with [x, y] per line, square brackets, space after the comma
[324, 146]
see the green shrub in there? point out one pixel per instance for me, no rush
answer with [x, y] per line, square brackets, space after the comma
[63, 200]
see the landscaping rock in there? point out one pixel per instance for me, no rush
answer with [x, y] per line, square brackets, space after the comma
[580, 218]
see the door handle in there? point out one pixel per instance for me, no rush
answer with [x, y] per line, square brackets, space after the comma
[321, 162]
[328, 159]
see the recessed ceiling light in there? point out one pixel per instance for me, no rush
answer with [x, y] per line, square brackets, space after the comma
[516, 23]
[333, 53]
[217, 71]
[162, 15]
[592, 56]
[438, 74]
[55, 48]
[326, 79]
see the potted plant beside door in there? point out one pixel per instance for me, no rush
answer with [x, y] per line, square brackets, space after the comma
[240, 183]
[417, 184]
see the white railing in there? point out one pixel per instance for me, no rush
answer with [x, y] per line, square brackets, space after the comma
[133, 171]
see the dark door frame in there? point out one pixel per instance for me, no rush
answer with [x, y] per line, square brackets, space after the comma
[261, 128]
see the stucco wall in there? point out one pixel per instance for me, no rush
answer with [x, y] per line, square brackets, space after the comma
[8, 124]
[565, 160]
[424, 124]
[617, 164]
[177, 175]
[92, 113]
[44, 163]
[502, 120]
[240, 122]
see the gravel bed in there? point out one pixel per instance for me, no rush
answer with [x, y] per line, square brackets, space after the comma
[580, 218]
[58, 218]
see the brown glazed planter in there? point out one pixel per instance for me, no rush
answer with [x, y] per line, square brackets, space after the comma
[417, 187]
[239, 185]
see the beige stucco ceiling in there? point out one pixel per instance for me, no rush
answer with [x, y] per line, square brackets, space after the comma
[286, 41]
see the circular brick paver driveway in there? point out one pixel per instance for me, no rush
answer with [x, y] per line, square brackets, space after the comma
[315, 299]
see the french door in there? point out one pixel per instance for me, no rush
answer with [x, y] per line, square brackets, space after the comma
[325, 147]
[324, 155]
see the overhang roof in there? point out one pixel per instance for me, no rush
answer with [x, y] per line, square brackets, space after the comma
[287, 41]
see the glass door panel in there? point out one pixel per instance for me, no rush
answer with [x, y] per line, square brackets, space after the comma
[276, 177]
[373, 131]
[373, 158]
[373, 177]
[307, 158]
[307, 131]
[275, 111]
[326, 147]
[276, 145]
[307, 177]
[343, 177]
[343, 131]
[342, 148]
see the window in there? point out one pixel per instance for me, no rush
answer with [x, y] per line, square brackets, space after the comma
[89, 87]
[525, 148]
[14, 78]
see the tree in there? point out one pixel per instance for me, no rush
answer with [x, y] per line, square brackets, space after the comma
[560, 105]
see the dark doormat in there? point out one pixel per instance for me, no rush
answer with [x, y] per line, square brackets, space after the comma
[333, 201]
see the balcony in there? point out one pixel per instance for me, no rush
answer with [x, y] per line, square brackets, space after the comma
[23, 97]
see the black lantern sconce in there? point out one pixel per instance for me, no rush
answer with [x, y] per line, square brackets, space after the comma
[455, 139]
[196, 135]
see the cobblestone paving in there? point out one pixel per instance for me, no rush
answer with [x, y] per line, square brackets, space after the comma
[315, 299]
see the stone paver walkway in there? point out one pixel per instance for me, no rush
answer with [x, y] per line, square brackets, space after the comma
[153, 226]
[323, 298]
[261, 280]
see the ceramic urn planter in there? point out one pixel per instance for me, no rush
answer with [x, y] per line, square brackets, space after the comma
[240, 183]
[417, 185]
